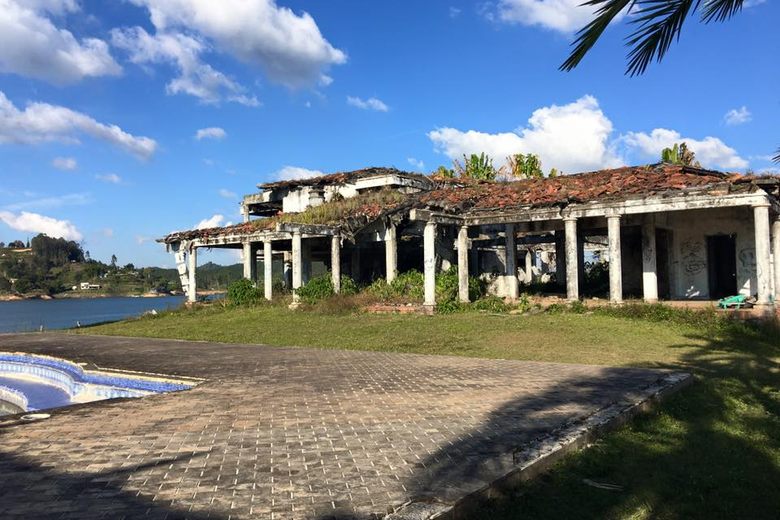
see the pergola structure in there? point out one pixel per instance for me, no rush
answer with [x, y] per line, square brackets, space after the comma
[691, 211]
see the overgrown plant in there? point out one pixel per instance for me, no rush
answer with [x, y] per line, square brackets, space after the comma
[321, 287]
[479, 167]
[243, 292]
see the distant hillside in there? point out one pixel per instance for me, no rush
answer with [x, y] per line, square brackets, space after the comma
[54, 266]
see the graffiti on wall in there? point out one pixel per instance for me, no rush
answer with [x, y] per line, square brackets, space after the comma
[747, 260]
[692, 254]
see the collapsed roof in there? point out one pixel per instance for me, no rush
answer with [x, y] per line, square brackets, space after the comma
[343, 178]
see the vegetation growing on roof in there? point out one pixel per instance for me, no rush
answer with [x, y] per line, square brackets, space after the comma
[357, 210]
[479, 167]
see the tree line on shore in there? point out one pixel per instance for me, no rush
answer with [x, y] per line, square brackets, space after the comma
[46, 265]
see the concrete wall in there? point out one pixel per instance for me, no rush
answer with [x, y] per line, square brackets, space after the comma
[690, 230]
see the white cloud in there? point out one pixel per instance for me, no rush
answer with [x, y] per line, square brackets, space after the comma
[195, 78]
[214, 221]
[288, 173]
[711, 152]
[571, 138]
[107, 232]
[32, 46]
[565, 16]
[738, 116]
[287, 46]
[42, 122]
[213, 132]
[65, 163]
[111, 178]
[420, 165]
[454, 12]
[71, 199]
[368, 104]
[36, 223]
[227, 194]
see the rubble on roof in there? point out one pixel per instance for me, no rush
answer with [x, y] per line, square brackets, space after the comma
[463, 196]
[603, 185]
[342, 178]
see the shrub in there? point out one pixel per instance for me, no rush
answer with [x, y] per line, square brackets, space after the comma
[490, 304]
[408, 286]
[447, 297]
[243, 292]
[321, 287]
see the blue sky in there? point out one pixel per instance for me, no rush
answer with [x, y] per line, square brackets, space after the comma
[102, 102]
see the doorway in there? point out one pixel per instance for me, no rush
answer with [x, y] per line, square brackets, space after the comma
[722, 265]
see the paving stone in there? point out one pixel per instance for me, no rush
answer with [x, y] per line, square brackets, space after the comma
[288, 433]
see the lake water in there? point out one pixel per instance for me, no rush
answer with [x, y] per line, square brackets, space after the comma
[29, 315]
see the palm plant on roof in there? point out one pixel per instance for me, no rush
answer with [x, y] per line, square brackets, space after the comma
[657, 24]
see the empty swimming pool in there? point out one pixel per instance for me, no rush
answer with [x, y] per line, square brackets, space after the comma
[31, 382]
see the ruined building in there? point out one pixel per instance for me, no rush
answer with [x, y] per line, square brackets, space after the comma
[670, 232]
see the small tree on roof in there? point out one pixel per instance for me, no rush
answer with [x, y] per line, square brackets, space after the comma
[475, 166]
[680, 154]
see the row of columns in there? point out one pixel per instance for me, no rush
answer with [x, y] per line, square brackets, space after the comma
[299, 263]
[763, 232]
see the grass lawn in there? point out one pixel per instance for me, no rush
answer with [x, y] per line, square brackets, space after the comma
[711, 451]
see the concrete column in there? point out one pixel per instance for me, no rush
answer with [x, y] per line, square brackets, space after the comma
[649, 255]
[463, 264]
[268, 269]
[297, 261]
[776, 253]
[250, 261]
[511, 262]
[572, 271]
[763, 262]
[192, 283]
[391, 253]
[335, 262]
[245, 213]
[615, 260]
[429, 263]
[529, 266]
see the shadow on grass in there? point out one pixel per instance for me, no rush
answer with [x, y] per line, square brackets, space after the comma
[711, 451]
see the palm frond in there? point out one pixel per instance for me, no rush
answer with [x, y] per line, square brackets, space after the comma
[776, 158]
[589, 35]
[660, 23]
[720, 10]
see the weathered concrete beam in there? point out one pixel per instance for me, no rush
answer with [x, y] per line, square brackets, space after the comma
[391, 253]
[763, 262]
[615, 260]
[572, 271]
[649, 257]
[313, 230]
[519, 216]
[776, 254]
[463, 264]
[250, 261]
[335, 263]
[268, 270]
[192, 267]
[510, 272]
[297, 267]
[429, 263]
[438, 218]
[661, 204]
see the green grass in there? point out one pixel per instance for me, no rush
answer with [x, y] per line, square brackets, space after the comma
[711, 451]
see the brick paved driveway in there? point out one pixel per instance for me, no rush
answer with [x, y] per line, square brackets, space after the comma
[286, 432]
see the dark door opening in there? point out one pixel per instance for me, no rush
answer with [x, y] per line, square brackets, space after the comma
[663, 240]
[722, 265]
